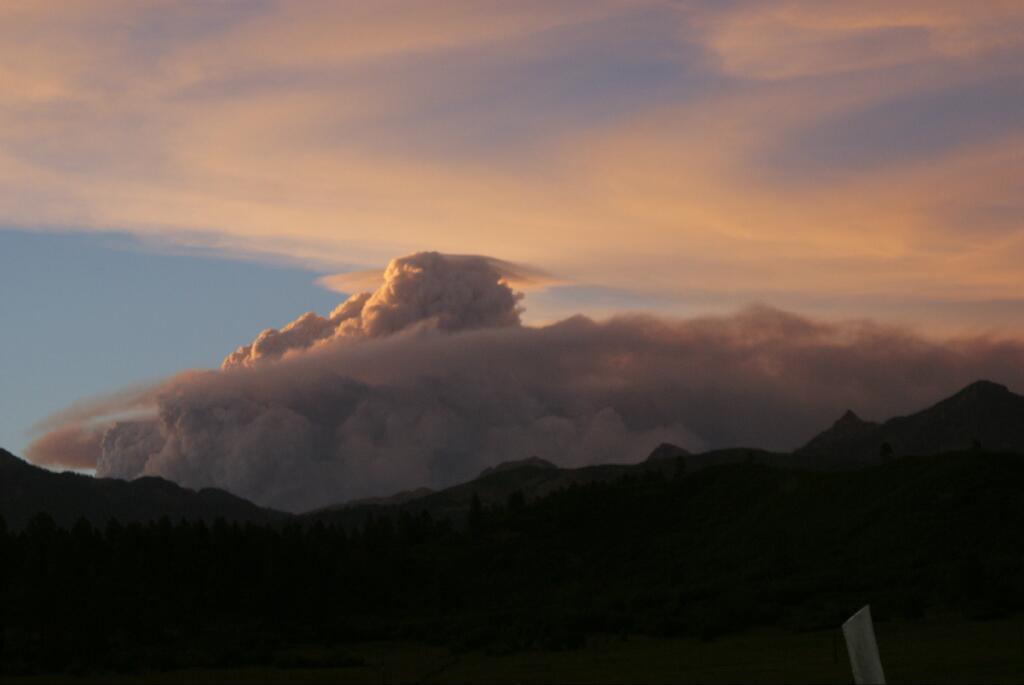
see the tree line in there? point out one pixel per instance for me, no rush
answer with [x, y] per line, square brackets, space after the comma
[702, 554]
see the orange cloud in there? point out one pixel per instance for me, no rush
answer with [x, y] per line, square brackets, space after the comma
[800, 38]
[72, 447]
[305, 132]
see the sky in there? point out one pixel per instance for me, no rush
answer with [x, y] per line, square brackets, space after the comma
[177, 176]
[88, 313]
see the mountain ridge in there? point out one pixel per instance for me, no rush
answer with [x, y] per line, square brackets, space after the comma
[982, 414]
[27, 490]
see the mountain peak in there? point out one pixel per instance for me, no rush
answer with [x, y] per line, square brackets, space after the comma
[847, 427]
[849, 418]
[849, 424]
[980, 398]
[666, 450]
[984, 388]
[528, 463]
[983, 413]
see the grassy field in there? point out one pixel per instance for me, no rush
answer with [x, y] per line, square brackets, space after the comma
[926, 651]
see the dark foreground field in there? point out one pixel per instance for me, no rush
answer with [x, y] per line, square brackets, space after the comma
[922, 651]
[736, 572]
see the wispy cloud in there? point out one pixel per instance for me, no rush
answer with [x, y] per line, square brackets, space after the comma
[793, 149]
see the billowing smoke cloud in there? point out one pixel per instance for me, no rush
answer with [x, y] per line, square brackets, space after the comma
[71, 446]
[451, 292]
[441, 381]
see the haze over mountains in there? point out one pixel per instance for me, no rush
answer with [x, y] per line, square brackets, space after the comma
[983, 415]
[434, 376]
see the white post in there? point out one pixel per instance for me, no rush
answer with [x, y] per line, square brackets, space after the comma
[859, 632]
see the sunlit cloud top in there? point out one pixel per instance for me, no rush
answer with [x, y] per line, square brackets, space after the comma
[860, 157]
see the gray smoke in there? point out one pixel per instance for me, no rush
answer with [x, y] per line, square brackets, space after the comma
[404, 404]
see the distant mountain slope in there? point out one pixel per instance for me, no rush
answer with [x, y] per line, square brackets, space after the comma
[849, 429]
[533, 477]
[667, 450]
[984, 414]
[536, 478]
[529, 462]
[26, 490]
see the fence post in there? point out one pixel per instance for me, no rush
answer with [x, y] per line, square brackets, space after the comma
[865, 660]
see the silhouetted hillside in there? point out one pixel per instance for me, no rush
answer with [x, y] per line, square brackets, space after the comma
[26, 490]
[529, 463]
[719, 550]
[529, 478]
[982, 415]
[847, 430]
[667, 450]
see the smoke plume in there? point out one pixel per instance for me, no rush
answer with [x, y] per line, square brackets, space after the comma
[432, 378]
[451, 292]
